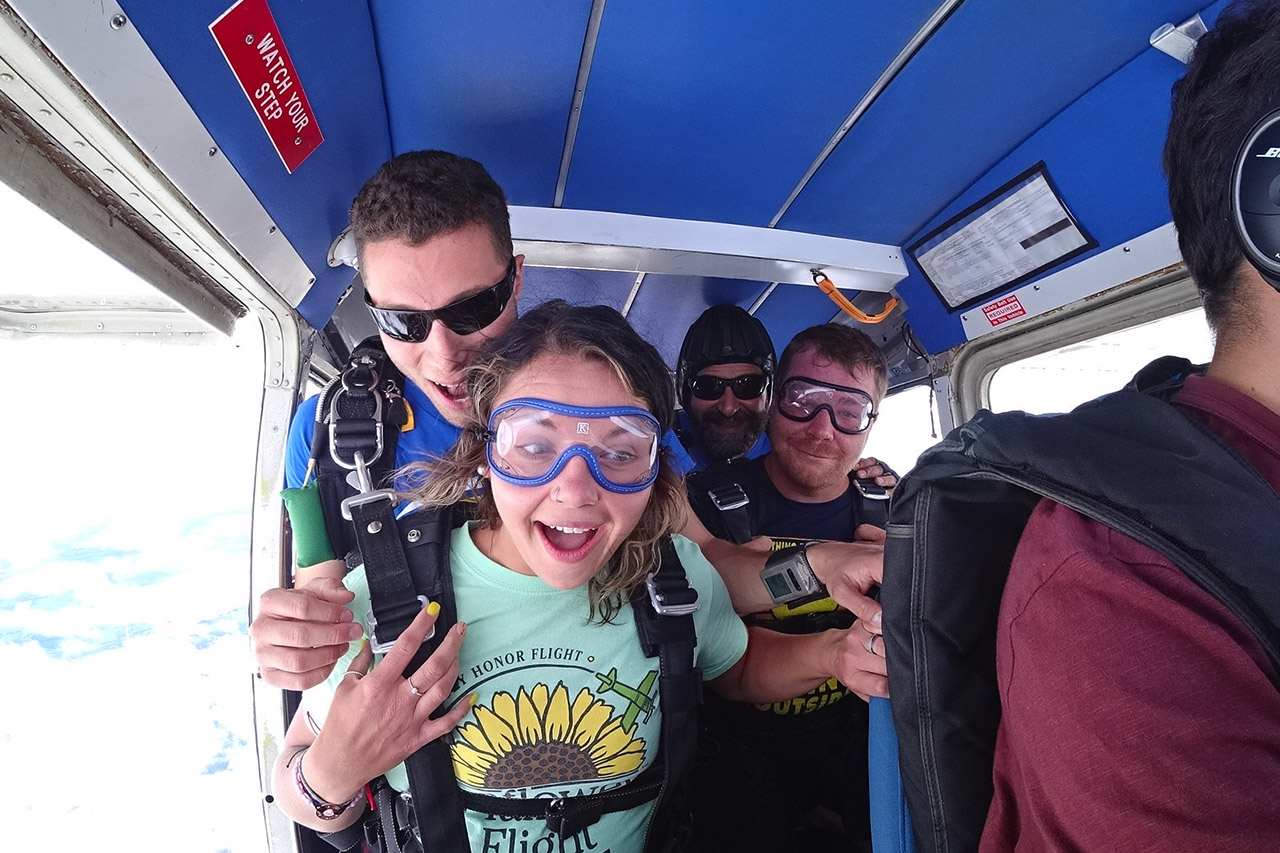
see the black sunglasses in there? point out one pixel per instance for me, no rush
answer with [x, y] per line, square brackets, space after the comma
[464, 317]
[749, 386]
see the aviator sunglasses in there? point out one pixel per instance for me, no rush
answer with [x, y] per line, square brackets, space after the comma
[851, 409]
[746, 387]
[464, 317]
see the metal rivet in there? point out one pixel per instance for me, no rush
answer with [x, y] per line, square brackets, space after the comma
[6, 77]
[298, 141]
[271, 230]
[99, 327]
[414, 535]
[374, 527]
[118, 21]
[248, 39]
[213, 152]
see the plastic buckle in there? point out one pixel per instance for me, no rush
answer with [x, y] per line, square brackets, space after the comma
[679, 601]
[366, 498]
[381, 647]
[729, 497]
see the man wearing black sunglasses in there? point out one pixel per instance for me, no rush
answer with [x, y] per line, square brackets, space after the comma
[724, 377]
[786, 765]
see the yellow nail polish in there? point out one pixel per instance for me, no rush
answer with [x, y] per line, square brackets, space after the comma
[473, 699]
[433, 609]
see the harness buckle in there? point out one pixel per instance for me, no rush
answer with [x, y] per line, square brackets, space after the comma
[676, 600]
[381, 647]
[372, 496]
[728, 497]
[353, 430]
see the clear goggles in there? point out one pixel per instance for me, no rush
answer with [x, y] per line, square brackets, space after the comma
[851, 409]
[529, 441]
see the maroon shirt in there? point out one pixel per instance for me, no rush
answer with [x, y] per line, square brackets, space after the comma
[1137, 710]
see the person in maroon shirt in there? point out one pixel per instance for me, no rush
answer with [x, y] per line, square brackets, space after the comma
[1138, 712]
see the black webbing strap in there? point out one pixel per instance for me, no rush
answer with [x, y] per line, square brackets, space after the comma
[360, 411]
[731, 500]
[393, 593]
[664, 622]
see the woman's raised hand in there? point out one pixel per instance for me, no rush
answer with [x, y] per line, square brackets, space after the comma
[379, 718]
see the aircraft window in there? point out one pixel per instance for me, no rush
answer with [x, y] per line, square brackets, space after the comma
[904, 429]
[1060, 380]
[124, 579]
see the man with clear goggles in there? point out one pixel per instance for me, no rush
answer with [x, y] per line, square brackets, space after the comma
[803, 494]
[529, 441]
[851, 409]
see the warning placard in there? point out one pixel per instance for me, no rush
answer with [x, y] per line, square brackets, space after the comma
[249, 39]
[1003, 310]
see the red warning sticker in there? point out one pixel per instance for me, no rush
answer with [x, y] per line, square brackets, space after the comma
[249, 39]
[1003, 310]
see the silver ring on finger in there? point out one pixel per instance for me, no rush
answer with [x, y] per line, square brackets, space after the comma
[412, 689]
[871, 643]
[357, 673]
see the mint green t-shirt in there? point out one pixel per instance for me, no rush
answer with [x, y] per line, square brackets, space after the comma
[565, 707]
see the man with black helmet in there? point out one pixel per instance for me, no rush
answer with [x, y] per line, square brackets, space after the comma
[724, 379]
[795, 772]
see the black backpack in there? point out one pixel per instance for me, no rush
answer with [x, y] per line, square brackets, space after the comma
[1129, 460]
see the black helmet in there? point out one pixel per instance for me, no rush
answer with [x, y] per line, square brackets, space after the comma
[723, 334]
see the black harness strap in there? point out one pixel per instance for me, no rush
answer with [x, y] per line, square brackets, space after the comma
[394, 597]
[408, 561]
[358, 416]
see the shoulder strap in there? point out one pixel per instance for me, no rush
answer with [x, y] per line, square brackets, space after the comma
[720, 503]
[407, 564]
[360, 412]
[663, 609]
[870, 511]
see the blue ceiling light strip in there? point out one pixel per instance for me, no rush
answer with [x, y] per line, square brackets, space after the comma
[961, 105]
[579, 95]
[917, 41]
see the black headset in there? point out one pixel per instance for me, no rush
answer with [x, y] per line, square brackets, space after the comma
[1255, 197]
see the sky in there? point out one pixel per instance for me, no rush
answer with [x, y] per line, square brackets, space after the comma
[124, 579]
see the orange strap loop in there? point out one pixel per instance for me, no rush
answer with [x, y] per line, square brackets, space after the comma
[829, 288]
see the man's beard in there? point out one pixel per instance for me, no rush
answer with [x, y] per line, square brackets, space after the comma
[728, 437]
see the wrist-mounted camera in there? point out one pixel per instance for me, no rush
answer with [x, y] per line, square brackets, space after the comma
[788, 576]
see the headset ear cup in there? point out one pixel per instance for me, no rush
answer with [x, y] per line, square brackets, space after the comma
[1255, 196]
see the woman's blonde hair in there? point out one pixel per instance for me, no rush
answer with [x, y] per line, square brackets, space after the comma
[594, 332]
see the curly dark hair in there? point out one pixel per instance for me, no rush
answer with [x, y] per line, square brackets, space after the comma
[422, 194]
[1232, 81]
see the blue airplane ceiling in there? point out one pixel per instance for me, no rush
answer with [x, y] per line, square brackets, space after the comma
[708, 111]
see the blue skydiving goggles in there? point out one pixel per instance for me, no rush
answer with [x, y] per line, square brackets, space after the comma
[529, 441]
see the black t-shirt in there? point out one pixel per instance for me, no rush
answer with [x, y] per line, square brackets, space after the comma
[787, 522]
[777, 516]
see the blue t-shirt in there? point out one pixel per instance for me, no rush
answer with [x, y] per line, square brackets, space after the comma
[698, 460]
[431, 435]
